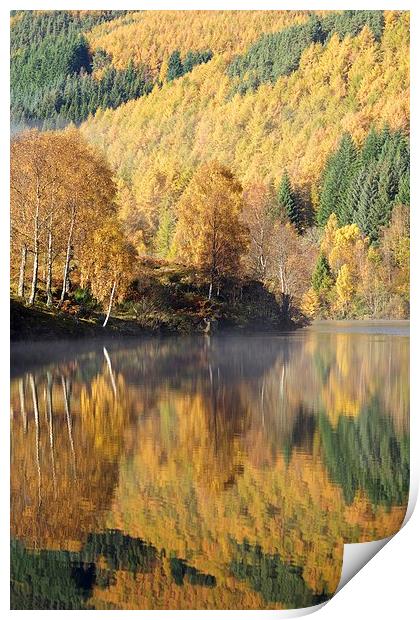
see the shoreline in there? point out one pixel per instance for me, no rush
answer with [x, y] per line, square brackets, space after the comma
[37, 324]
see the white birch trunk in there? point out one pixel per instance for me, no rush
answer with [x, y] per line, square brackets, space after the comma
[21, 285]
[111, 301]
[68, 254]
[49, 268]
[36, 250]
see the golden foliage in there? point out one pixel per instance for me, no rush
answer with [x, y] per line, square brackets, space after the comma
[209, 232]
[293, 124]
[377, 277]
[149, 37]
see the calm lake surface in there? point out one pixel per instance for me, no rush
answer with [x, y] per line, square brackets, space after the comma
[222, 472]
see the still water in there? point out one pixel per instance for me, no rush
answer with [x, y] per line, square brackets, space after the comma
[204, 473]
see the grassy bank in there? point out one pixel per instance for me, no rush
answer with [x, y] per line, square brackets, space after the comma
[164, 299]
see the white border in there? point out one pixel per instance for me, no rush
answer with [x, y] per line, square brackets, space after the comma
[398, 568]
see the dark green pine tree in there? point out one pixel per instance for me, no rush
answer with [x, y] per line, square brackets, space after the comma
[366, 215]
[373, 146]
[403, 196]
[175, 68]
[381, 181]
[288, 203]
[322, 278]
[340, 169]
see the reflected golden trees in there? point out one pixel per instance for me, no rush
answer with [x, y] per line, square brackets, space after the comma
[66, 444]
[197, 448]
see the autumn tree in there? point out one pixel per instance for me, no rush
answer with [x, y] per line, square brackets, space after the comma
[89, 199]
[210, 235]
[395, 251]
[33, 179]
[20, 213]
[111, 266]
[259, 216]
[291, 265]
[61, 192]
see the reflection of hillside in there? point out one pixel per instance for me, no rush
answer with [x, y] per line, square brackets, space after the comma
[291, 509]
[205, 448]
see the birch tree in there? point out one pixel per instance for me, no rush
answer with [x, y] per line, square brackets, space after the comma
[259, 216]
[61, 193]
[32, 174]
[112, 262]
[210, 234]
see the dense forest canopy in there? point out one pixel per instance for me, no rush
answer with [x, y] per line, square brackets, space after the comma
[304, 114]
[51, 69]
[278, 54]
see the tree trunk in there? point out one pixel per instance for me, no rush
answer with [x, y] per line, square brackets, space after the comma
[49, 269]
[108, 361]
[21, 285]
[68, 255]
[111, 300]
[36, 260]
[36, 417]
[66, 394]
[34, 275]
[210, 289]
[22, 405]
[51, 426]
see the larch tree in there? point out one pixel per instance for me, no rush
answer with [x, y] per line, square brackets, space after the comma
[164, 233]
[210, 235]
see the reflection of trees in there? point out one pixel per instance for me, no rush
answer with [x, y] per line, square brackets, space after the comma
[57, 579]
[366, 453]
[66, 444]
[349, 370]
[195, 444]
[48, 579]
[276, 580]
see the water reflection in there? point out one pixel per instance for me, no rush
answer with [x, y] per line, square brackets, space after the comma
[204, 473]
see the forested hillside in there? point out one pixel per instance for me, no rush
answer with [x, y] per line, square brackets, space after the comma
[284, 135]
